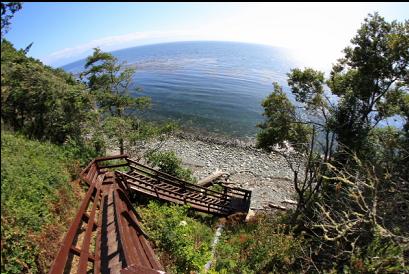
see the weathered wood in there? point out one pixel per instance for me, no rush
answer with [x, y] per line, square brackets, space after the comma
[291, 202]
[208, 181]
[120, 243]
[132, 247]
[277, 206]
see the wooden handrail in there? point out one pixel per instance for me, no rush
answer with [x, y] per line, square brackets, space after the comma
[135, 247]
[184, 183]
[62, 256]
[153, 187]
[182, 196]
[238, 191]
[193, 188]
[107, 158]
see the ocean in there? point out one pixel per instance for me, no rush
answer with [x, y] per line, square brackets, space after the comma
[214, 86]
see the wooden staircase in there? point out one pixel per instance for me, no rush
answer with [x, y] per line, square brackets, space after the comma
[143, 179]
[106, 236]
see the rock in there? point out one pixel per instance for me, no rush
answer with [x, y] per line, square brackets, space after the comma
[250, 215]
[266, 174]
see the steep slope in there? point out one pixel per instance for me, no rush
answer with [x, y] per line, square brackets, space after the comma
[37, 202]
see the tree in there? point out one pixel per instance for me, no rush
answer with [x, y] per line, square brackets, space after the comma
[168, 162]
[352, 229]
[308, 88]
[371, 82]
[372, 76]
[7, 12]
[282, 123]
[109, 83]
[42, 102]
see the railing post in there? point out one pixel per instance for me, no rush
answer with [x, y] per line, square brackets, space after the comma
[156, 191]
[225, 194]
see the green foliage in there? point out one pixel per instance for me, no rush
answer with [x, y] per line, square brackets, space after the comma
[281, 122]
[42, 102]
[169, 163]
[262, 246]
[145, 130]
[109, 82]
[371, 84]
[186, 240]
[83, 152]
[33, 176]
[355, 219]
[379, 256]
[353, 222]
[18, 254]
[307, 86]
[7, 12]
[370, 78]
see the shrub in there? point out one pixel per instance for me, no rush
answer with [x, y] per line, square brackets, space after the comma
[380, 256]
[169, 163]
[183, 238]
[263, 246]
[34, 181]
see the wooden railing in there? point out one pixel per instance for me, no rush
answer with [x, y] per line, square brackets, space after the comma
[84, 241]
[175, 196]
[238, 192]
[152, 180]
[69, 247]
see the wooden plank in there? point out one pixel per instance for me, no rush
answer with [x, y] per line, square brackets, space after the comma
[82, 174]
[78, 252]
[207, 181]
[62, 256]
[83, 262]
[137, 269]
[113, 166]
[133, 237]
[130, 256]
[106, 158]
[97, 263]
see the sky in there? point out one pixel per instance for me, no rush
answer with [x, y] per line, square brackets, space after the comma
[316, 33]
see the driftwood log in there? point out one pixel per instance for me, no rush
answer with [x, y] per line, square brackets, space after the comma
[209, 180]
[277, 206]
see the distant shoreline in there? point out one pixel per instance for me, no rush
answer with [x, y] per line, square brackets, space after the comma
[210, 137]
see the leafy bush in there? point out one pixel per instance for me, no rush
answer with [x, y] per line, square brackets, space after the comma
[81, 151]
[42, 102]
[169, 163]
[380, 256]
[262, 246]
[34, 182]
[183, 238]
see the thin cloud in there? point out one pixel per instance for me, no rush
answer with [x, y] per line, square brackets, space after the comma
[111, 43]
[315, 32]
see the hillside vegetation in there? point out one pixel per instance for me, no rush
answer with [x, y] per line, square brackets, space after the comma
[37, 202]
[352, 200]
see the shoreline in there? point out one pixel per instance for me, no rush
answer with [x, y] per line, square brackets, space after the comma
[224, 139]
[267, 175]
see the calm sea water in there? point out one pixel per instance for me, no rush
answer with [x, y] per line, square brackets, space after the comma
[216, 86]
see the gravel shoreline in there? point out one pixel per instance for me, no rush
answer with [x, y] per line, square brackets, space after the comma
[267, 175]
